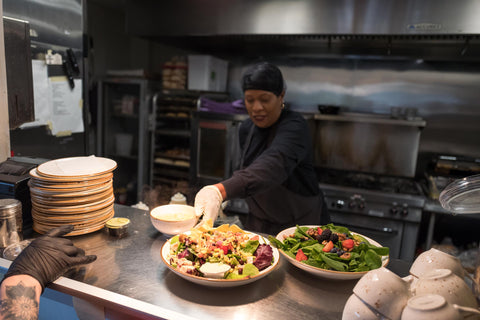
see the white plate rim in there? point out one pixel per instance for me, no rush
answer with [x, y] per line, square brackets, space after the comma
[60, 181]
[71, 194]
[332, 274]
[45, 168]
[221, 282]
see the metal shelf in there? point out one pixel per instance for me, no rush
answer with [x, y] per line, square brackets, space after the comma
[168, 156]
[178, 118]
[173, 163]
[176, 133]
[172, 173]
[135, 120]
[172, 131]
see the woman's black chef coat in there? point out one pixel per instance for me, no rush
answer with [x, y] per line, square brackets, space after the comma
[277, 177]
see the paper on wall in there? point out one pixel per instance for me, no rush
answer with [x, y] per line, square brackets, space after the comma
[55, 103]
[67, 105]
[41, 95]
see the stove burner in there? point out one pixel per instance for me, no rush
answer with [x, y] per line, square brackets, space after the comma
[370, 182]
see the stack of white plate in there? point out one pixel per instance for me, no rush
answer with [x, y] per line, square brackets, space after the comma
[75, 191]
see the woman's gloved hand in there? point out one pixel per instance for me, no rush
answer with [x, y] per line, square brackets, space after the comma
[49, 256]
[207, 203]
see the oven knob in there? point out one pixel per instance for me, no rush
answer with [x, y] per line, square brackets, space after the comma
[340, 204]
[352, 204]
[405, 209]
[394, 208]
[361, 205]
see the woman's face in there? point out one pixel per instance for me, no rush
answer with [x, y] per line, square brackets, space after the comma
[263, 107]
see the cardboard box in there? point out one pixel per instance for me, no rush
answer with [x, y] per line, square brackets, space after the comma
[207, 73]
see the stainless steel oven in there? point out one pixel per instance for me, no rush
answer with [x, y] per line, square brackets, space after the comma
[214, 148]
[388, 216]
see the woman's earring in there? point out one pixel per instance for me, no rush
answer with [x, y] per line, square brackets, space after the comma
[283, 105]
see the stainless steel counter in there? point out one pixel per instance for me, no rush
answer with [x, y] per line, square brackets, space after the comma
[129, 274]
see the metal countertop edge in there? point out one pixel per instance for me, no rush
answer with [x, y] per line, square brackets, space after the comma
[92, 293]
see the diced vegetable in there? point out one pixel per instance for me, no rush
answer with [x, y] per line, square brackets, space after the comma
[240, 251]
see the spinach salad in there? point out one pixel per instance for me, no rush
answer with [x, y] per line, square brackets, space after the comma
[331, 247]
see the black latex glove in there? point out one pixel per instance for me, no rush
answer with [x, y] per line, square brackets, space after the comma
[49, 256]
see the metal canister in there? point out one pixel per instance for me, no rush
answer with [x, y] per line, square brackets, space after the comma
[10, 222]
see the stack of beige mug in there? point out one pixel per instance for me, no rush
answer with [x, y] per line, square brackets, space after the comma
[435, 289]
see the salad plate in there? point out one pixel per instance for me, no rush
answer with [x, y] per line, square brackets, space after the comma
[220, 283]
[330, 274]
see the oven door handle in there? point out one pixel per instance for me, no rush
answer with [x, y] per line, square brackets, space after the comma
[381, 230]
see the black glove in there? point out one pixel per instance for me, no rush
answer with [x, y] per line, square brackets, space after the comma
[49, 256]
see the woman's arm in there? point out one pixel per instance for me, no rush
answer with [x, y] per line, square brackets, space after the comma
[20, 297]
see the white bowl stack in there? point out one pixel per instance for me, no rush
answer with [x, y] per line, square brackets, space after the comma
[77, 191]
[436, 282]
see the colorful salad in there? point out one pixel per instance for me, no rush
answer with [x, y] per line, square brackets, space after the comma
[228, 248]
[331, 247]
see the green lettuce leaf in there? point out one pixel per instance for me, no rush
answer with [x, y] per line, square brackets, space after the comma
[249, 270]
[372, 259]
[251, 246]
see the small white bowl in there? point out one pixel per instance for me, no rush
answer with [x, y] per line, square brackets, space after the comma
[384, 291]
[448, 285]
[356, 309]
[436, 259]
[433, 306]
[172, 219]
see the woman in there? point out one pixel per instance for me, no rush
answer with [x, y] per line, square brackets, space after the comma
[277, 176]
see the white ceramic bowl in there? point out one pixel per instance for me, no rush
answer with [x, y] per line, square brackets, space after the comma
[433, 306]
[172, 219]
[446, 284]
[436, 259]
[384, 291]
[355, 309]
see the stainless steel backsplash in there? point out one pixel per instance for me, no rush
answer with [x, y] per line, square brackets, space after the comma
[444, 93]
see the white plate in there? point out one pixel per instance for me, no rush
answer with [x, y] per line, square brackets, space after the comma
[62, 181]
[330, 274]
[220, 283]
[77, 166]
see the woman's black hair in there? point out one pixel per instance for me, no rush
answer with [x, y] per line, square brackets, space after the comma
[263, 76]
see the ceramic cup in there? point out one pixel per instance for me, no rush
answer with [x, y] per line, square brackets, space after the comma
[433, 306]
[357, 309]
[384, 291]
[447, 284]
[436, 259]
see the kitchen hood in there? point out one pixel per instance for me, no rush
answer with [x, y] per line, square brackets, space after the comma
[272, 18]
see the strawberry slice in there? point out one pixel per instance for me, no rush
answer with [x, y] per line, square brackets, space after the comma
[348, 244]
[328, 247]
[300, 255]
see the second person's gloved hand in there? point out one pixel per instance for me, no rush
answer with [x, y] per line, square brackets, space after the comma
[207, 203]
[49, 256]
